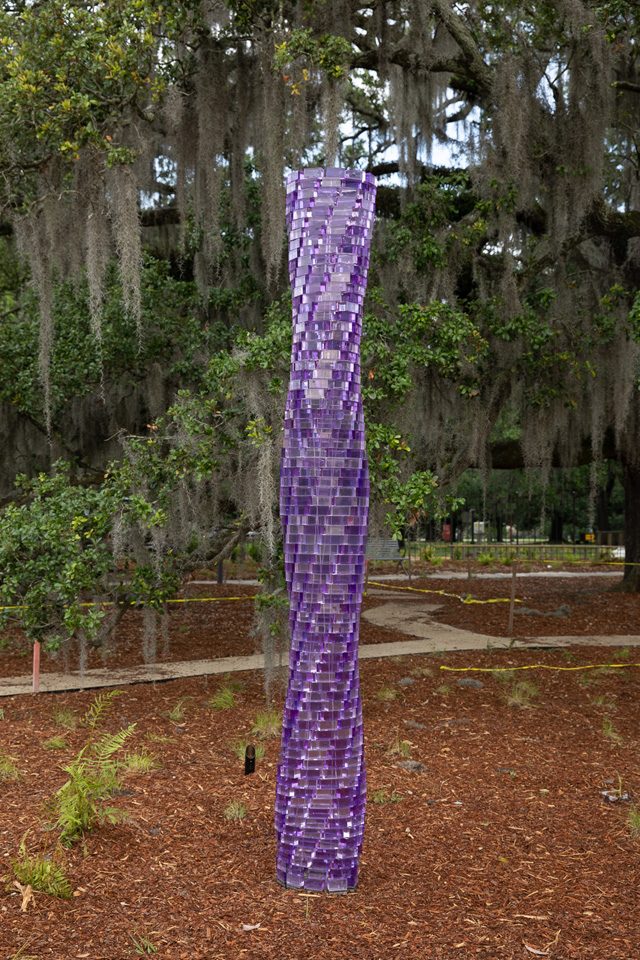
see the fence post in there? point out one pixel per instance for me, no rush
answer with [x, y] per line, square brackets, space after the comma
[512, 603]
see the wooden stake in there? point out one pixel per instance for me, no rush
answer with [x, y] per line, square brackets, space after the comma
[514, 574]
[36, 666]
[469, 569]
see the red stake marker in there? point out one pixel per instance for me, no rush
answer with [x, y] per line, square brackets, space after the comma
[36, 666]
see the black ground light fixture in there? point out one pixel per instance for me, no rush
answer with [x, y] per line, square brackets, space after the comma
[250, 759]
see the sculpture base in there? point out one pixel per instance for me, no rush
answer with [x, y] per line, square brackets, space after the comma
[326, 889]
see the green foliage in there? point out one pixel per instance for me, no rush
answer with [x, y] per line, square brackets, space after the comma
[138, 762]
[268, 723]
[179, 711]
[399, 748]
[43, 872]
[8, 768]
[69, 71]
[55, 743]
[388, 694]
[633, 822]
[174, 337]
[142, 945]
[486, 558]
[240, 747]
[235, 811]
[329, 53]
[65, 717]
[521, 694]
[610, 731]
[78, 806]
[381, 796]
[223, 699]
[49, 557]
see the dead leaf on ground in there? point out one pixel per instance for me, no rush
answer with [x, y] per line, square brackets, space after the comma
[27, 895]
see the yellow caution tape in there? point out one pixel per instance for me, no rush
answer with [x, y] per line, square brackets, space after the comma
[443, 593]
[136, 603]
[540, 666]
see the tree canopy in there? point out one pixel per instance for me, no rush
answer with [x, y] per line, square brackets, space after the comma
[506, 260]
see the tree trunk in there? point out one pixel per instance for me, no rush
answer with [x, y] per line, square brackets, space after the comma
[498, 528]
[556, 527]
[631, 484]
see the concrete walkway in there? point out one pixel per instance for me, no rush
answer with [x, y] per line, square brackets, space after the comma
[431, 639]
[413, 619]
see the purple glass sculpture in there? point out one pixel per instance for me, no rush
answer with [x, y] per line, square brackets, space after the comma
[324, 505]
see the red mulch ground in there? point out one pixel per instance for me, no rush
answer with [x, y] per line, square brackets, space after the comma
[503, 846]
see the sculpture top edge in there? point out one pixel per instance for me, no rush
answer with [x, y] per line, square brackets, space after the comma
[315, 173]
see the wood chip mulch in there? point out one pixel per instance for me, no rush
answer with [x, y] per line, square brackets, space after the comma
[493, 830]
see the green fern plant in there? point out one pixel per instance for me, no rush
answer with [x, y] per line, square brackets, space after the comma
[139, 761]
[40, 871]
[78, 805]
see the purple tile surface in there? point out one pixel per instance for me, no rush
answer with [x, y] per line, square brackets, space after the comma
[324, 504]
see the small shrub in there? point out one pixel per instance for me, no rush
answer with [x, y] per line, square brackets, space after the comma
[235, 811]
[457, 553]
[633, 822]
[158, 737]
[234, 685]
[443, 690]
[65, 717]
[521, 694]
[430, 555]
[8, 768]
[240, 748]
[42, 872]
[268, 723]
[624, 654]
[388, 694]
[486, 558]
[223, 699]
[139, 762]
[55, 743]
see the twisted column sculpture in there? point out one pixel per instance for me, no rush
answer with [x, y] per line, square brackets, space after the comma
[324, 503]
